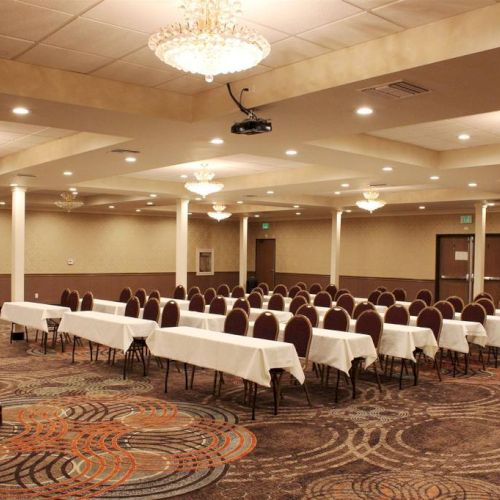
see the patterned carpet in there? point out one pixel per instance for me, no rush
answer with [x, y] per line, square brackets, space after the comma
[81, 431]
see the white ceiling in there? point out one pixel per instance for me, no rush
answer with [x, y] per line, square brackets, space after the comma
[108, 38]
[442, 135]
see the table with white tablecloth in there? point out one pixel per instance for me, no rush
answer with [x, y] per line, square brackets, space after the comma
[31, 314]
[202, 320]
[266, 298]
[357, 300]
[281, 316]
[183, 304]
[492, 327]
[108, 306]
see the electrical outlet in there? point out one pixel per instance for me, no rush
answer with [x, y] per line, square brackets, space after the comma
[36, 295]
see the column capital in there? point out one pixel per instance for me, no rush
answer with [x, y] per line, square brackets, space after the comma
[19, 189]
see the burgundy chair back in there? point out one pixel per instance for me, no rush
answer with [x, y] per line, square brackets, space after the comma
[347, 302]
[386, 299]
[218, 306]
[236, 322]
[457, 302]
[361, 308]
[446, 309]
[373, 297]
[340, 292]
[87, 302]
[301, 285]
[152, 309]
[197, 303]
[488, 306]
[133, 307]
[296, 303]
[209, 295]
[294, 291]
[425, 295]
[276, 302]
[399, 294]
[315, 288]
[180, 292]
[193, 291]
[332, 290]
[64, 297]
[370, 323]
[336, 318]
[255, 300]
[305, 294]
[298, 331]
[416, 306]
[484, 295]
[155, 294]
[397, 314]
[74, 300]
[323, 299]
[238, 292]
[243, 304]
[281, 289]
[474, 312]
[125, 295]
[310, 313]
[258, 289]
[382, 289]
[142, 296]
[431, 317]
[170, 315]
[266, 326]
[223, 290]
[265, 287]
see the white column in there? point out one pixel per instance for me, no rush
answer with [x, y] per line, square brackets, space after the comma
[335, 247]
[17, 250]
[479, 247]
[243, 250]
[181, 242]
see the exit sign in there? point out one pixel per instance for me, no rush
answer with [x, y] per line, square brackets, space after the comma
[466, 219]
[265, 225]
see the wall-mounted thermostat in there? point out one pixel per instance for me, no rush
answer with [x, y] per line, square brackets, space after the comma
[70, 262]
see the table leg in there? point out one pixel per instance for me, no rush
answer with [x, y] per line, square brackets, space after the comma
[74, 345]
[254, 401]
[166, 375]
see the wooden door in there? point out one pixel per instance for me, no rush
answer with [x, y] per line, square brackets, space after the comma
[454, 266]
[265, 261]
[492, 266]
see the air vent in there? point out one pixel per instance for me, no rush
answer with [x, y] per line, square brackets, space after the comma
[378, 185]
[250, 196]
[31, 176]
[396, 90]
[126, 151]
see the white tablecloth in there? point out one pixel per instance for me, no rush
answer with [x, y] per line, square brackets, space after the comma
[183, 304]
[109, 306]
[245, 357]
[31, 314]
[492, 326]
[110, 330]
[204, 321]
[281, 316]
[266, 298]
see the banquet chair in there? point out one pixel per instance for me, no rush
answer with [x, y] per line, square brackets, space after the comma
[425, 295]
[258, 289]
[374, 295]
[382, 289]
[399, 294]
[265, 287]
[179, 293]
[141, 295]
[266, 326]
[73, 303]
[155, 294]
[397, 315]
[446, 309]
[152, 310]
[294, 291]
[488, 306]
[310, 313]
[209, 295]
[296, 303]
[323, 299]
[386, 299]
[416, 306]
[336, 318]
[255, 300]
[315, 288]
[218, 306]
[223, 290]
[193, 291]
[370, 323]
[457, 302]
[171, 315]
[483, 295]
[281, 289]
[347, 302]
[361, 307]
[431, 317]
[125, 295]
[340, 292]
[238, 292]
[197, 303]
[244, 304]
[52, 323]
[332, 290]
[276, 302]
[305, 294]
[477, 313]
[64, 297]
[87, 302]
[301, 285]
[133, 308]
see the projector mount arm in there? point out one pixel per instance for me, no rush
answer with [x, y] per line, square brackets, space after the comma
[242, 108]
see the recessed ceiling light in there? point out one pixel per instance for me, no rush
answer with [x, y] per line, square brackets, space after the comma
[67, 173]
[421, 207]
[291, 152]
[472, 184]
[217, 140]
[197, 199]
[387, 169]
[464, 137]
[345, 185]
[269, 192]
[239, 202]
[2, 203]
[184, 176]
[364, 111]
[72, 189]
[348, 210]
[150, 203]
[298, 213]
[130, 159]
[337, 192]
[296, 206]
[257, 215]
[14, 185]
[111, 206]
[138, 210]
[152, 195]
[434, 177]
[20, 110]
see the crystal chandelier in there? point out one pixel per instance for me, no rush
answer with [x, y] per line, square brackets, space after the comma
[371, 201]
[204, 185]
[209, 41]
[218, 214]
[68, 202]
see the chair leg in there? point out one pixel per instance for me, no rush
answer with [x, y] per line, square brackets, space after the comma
[254, 401]
[91, 351]
[26, 334]
[192, 376]
[186, 385]
[377, 376]
[304, 385]
[437, 365]
[274, 384]
[401, 373]
[215, 382]
[73, 354]
[166, 375]
[337, 387]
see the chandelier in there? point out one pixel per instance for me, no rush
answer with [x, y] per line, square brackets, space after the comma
[218, 214]
[209, 41]
[371, 201]
[68, 202]
[204, 185]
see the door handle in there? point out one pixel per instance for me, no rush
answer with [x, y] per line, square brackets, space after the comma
[443, 277]
[492, 278]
